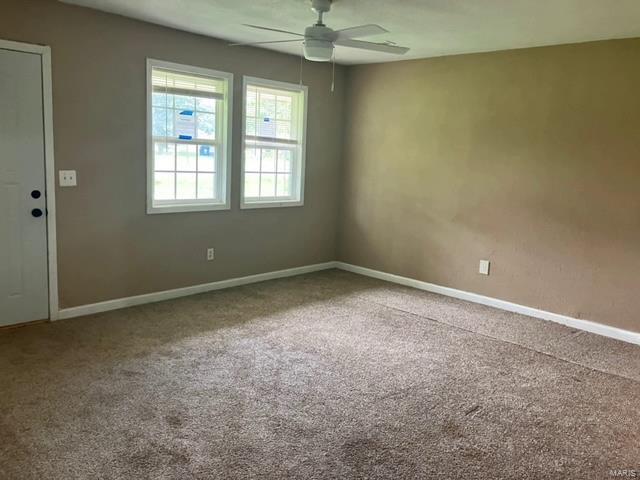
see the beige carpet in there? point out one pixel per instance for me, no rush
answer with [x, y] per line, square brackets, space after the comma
[328, 375]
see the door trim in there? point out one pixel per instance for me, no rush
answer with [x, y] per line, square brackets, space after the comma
[49, 164]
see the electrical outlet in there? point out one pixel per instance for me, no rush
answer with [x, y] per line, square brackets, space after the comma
[484, 267]
[68, 178]
[210, 254]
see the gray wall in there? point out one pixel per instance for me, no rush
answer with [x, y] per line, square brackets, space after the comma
[107, 246]
[529, 158]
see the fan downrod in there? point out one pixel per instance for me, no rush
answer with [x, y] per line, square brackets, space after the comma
[320, 7]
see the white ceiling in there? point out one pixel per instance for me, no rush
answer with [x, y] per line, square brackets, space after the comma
[429, 27]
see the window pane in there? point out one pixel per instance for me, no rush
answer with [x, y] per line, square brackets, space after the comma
[206, 126]
[266, 127]
[268, 160]
[162, 122]
[283, 108]
[284, 185]
[283, 130]
[268, 185]
[278, 115]
[251, 103]
[162, 100]
[267, 105]
[186, 158]
[251, 126]
[205, 104]
[186, 170]
[252, 185]
[206, 186]
[163, 186]
[284, 160]
[164, 156]
[183, 102]
[206, 158]
[185, 124]
[251, 160]
[185, 186]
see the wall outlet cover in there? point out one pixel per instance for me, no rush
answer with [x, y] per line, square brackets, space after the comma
[68, 178]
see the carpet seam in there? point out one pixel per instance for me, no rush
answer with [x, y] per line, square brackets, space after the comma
[440, 322]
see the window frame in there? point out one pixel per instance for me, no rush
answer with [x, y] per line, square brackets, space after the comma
[225, 140]
[302, 125]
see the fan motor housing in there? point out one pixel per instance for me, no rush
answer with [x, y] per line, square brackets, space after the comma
[318, 32]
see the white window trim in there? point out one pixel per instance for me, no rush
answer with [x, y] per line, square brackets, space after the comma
[226, 163]
[295, 87]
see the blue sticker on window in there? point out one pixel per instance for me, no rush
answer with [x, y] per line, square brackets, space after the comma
[205, 150]
[185, 125]
[267, 128]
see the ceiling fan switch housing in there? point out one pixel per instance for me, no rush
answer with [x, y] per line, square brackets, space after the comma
[318, 50]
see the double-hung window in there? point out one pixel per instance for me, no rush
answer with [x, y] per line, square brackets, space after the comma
[189, 138]
[273, 143]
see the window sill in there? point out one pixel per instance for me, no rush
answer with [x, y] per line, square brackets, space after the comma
[273, 204]
[208, 207]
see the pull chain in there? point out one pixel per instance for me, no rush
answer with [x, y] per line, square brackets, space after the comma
[301, 60]
[333, 72]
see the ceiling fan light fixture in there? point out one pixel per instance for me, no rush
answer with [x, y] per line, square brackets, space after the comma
[318, 50]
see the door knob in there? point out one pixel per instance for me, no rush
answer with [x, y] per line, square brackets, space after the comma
[36, 212]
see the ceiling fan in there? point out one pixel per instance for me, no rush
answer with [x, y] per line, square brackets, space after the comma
[319, 40]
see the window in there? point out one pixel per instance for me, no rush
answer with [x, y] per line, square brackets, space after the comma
[273, 143]
[189, 138]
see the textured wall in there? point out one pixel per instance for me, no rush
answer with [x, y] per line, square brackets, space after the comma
[107, 246]
[529, 158]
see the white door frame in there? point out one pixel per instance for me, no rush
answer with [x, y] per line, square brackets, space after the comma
[50, 173]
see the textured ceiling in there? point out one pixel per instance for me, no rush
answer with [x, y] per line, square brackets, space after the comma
[429, 27]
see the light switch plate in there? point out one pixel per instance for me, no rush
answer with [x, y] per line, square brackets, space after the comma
[484, 267]
[67, 178]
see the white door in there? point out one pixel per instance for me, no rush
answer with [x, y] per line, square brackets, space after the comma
[23, 220]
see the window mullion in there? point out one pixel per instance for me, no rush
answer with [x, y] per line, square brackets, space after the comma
[175, 172]
[260, 176]
[219, 186]
[197, 167]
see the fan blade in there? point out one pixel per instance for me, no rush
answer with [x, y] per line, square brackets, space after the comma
[263, 43]
[376, 47]
[360, 31]
[273, 29]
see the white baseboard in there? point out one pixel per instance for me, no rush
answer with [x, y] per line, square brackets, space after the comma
[185, 291]
[586, 325]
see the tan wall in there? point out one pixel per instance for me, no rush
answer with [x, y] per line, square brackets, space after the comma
[529, 158]
[107, 246]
